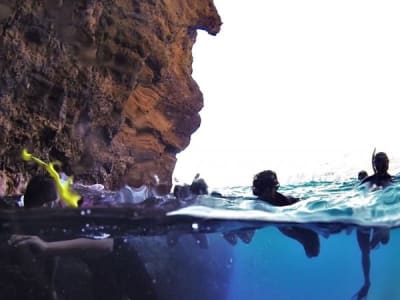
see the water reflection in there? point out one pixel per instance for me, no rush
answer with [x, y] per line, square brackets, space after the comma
[143, 264]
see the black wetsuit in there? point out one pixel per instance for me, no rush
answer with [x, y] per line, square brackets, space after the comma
[282, 200]
[380, 180]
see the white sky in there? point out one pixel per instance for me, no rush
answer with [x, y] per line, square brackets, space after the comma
[306, 88]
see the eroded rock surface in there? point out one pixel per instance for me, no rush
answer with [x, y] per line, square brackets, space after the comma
[105, 87]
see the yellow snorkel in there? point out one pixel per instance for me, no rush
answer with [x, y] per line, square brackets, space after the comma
[63, 187]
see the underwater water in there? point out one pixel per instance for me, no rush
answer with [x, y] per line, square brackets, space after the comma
[210, 248]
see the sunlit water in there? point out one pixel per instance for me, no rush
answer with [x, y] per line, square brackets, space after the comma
[185, 255]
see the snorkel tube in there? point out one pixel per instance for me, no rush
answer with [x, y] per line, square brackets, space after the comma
[373, 161]
[63, 187]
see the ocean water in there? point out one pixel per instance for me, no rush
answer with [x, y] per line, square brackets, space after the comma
[207, 247]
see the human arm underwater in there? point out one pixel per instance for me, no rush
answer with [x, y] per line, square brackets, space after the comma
[83, 247]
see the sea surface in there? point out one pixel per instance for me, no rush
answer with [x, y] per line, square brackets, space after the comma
[229, 247]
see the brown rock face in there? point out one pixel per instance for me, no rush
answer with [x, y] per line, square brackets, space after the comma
[105, 87]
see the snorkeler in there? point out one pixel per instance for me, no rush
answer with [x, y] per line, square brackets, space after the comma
[379, 180]
[363, 239]
[265, 187]
[40, 192]
[136, 190]
[116, 267]
[199, 186]
[187, 192]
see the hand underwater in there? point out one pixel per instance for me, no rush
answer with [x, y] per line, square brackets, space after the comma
[32, 241]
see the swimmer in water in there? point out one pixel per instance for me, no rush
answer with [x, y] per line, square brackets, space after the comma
[63, 186]
[367, 238]
[362, 174]
[265, 187]
[100, 254]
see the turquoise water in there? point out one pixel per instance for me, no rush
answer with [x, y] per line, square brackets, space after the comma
[322, 201]
[275, 267]
[186, 255]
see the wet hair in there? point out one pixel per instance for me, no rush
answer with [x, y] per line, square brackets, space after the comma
[362, 174]
[181, 191]
[40, 190]
[262, 180]
[199, 187]
[381, 162]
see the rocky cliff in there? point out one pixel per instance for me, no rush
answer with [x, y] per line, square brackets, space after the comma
[103, 86]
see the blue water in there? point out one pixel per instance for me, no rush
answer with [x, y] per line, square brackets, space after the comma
[170, 242]
[322, 201]
[274, 267]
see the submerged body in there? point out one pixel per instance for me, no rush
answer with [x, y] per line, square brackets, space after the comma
[265, 187]
[258, 270]
[370, 239]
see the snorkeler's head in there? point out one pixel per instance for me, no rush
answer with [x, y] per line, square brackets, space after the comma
[40, 190]
[181, 191]
[199, 186]
[381, 162]
[362, 174]
[265, 184]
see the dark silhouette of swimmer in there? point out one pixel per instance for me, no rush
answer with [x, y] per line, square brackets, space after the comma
[381, 178]
[40, 191]
[199, 186]
[362, 174]
[182, 192]
[117, 269]
[196, 188]
[232, 237]
[367, 238]
[363, 238]
[265, 187]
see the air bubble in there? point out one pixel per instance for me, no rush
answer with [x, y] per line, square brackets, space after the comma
[195, 226]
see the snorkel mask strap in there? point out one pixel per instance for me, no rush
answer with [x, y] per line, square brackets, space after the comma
[373, 161]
